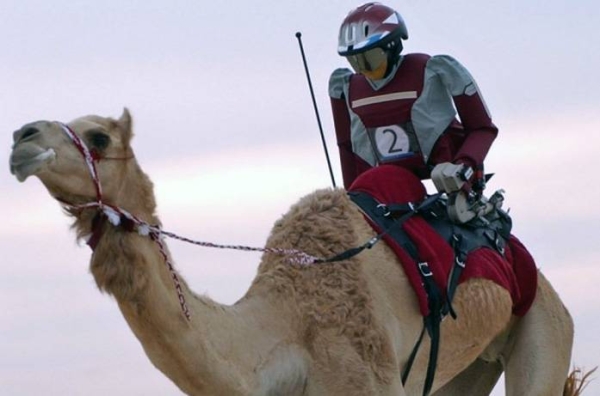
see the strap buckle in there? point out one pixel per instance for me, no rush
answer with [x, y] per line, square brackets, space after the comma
[395, 210]
[459, 262]
[383, 210]
[424, 268]
[499, 244]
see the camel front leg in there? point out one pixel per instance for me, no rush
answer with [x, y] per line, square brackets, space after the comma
[337, 369]
[540, 354]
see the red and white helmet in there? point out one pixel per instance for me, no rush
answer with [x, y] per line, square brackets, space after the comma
[369, 26]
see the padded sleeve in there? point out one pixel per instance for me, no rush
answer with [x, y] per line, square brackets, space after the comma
[352, 165]
[471, 108]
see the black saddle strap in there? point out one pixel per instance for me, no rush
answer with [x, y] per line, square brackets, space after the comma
[390, 218]
[431, 324]
[412, 357]
[460, 256]
[392, 213]
[437, 307]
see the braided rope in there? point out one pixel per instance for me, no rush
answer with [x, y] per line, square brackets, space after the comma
[296, 256]
[87, 155]
[115, 214]
[174, 277]
[144, 228]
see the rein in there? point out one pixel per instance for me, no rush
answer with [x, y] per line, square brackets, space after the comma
[118, 216]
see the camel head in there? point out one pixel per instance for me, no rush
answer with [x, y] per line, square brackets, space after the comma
[45, 150]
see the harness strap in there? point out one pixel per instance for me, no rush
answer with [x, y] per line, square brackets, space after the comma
[431, 323]
[363, 201]
[412, 357]
[460, 256]
[345, 255]
[387, 216]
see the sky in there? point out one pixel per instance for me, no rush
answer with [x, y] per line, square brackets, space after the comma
[225, 128]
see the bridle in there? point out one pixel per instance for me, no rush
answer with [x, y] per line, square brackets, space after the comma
[120, 217]
[117, 216]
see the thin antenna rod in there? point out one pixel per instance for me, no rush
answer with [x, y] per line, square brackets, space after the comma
[312, 94]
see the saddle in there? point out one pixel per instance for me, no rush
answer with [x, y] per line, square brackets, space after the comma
[491, 231]
[428, 241]
[438, 254]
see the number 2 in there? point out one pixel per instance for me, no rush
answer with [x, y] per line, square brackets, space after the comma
[393, 149]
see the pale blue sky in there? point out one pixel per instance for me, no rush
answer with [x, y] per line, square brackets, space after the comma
[226, 130]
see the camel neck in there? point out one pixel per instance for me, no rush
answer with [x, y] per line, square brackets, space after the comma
[191, 352]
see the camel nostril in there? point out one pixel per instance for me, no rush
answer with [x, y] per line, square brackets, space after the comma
[28, 133]
[25, 133]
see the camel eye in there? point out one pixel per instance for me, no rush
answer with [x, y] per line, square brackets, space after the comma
[98, 140]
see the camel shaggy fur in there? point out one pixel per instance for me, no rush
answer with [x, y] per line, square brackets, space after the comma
[344, 328]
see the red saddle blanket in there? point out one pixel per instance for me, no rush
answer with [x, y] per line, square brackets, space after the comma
[516, 271]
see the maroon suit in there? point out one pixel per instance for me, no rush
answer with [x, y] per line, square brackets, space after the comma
[409, 120]
[388, 112]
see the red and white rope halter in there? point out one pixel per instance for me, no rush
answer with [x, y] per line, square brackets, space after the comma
[114, 215]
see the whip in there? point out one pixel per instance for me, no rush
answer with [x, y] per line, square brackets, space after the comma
[312, 94]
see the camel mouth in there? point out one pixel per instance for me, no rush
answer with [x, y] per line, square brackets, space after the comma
[29, 160]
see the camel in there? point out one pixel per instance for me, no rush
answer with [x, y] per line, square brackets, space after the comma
[343, 328]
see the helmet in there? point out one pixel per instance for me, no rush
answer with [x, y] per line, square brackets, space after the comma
[370, 35]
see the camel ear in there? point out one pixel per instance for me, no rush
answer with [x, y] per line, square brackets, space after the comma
[125, 125]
